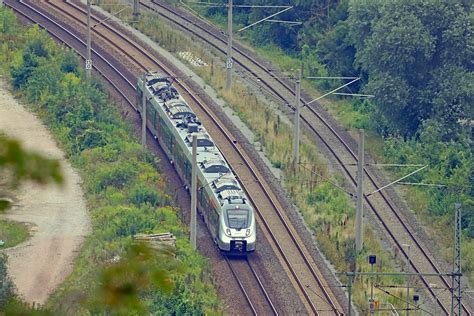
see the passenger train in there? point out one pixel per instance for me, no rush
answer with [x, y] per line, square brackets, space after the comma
[221, 200]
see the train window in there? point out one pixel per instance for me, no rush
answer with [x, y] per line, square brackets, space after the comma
[168, 137]
[162, 122]
[214, 213]
[237, 218]
[151, 115]
[204, 200]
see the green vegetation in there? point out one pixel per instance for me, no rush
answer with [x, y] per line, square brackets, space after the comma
[113, 274]
[326, 210]
[416, 58]
[421, 109]
[13, 233]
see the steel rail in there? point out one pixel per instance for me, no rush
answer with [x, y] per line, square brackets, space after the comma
[266, 193]
[260, 179]
[241, 286]
[258, 281]
[269, 300]
[217, 35]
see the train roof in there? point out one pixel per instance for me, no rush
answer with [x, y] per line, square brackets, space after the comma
[211, 163]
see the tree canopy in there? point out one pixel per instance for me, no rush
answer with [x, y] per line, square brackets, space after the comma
[418, 56]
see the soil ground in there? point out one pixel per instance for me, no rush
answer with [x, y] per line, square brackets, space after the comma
[57, 214]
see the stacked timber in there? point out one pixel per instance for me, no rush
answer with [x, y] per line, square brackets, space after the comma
[157, 241]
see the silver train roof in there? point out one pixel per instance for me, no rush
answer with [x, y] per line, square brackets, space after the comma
[213, 168]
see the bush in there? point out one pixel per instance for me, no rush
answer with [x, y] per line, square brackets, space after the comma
[125, 193]
[117, 175]
[144, 195]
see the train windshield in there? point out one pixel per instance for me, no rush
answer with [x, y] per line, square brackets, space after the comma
[237, 218]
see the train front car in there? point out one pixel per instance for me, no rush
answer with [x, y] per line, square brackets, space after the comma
[237, 228]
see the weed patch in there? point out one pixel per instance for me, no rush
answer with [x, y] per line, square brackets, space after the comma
[13, 233]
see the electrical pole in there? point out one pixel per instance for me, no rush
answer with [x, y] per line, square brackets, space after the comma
[143, 111]
[229, 61]
[88, 58]
[136, 10]
[456, 294]
[349, 288]
[360, 194]
[296, 138]
[194, 193]
[408, 278]
[372, 261]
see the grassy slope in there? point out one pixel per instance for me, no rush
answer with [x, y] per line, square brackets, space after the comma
[13, 233]
[125, 193]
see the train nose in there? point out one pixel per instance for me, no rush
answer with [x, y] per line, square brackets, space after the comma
[238, 245]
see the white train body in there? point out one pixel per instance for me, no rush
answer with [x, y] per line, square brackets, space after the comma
[221, 200]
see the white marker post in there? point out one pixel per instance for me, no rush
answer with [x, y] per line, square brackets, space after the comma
[88, 53]
[229, 61]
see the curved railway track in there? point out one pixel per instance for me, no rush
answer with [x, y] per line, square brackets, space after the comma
[287, 245]
[396, 226]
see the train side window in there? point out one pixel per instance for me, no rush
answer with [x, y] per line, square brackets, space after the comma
[151, 113]
[214, 215]
[205, 200]
[168, 138]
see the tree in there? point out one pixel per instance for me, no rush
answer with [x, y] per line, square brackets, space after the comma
[419, 43]
[336, 52]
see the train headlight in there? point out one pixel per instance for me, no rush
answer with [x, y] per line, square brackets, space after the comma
[247, 232]
[227, 232]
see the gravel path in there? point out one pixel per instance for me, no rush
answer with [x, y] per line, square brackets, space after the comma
[58, 215]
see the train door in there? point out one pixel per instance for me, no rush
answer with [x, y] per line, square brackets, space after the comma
[213, 211]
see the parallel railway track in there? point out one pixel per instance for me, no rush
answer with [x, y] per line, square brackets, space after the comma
[396, 226]
[287, 245]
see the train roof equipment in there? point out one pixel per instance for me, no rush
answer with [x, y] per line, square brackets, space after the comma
[211, 164]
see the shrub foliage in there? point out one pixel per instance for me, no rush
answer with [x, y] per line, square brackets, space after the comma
[125, 193]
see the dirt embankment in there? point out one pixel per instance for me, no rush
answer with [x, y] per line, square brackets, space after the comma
[57, 215]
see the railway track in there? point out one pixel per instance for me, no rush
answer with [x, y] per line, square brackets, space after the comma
[287, 245]
[338, 143]
[251, 286]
